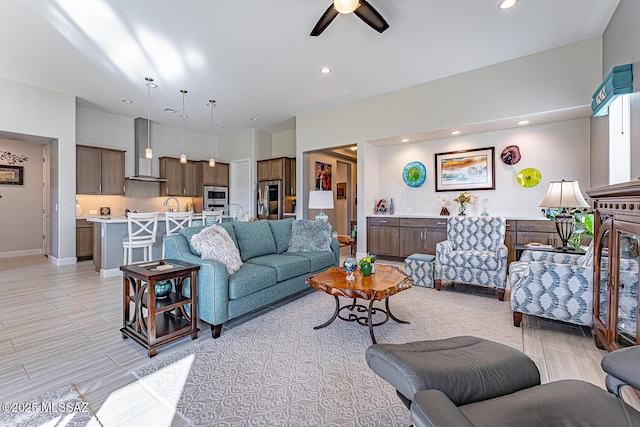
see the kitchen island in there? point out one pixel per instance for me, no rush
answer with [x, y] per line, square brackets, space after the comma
[108, 232]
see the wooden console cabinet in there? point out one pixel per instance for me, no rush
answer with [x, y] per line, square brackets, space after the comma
[615, 273]
[402, 236]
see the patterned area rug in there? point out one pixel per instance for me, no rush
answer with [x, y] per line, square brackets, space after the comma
[276, 370]
[60, 407]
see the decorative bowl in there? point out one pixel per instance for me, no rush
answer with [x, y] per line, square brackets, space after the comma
[350, 266]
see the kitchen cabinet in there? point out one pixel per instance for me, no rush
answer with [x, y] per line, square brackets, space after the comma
[99, 171]
[420, 235]
[182, 178]
[616, 265]
[383, 236]
[84, 240]
[275, 169]
[217, 175]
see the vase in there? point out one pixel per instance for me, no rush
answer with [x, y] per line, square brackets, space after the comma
[366, 269]
[444, 211]
[163, 289]
[373, 268]
[350, 265]
[462, 209]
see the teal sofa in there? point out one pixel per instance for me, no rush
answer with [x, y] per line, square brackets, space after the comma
[269, 273]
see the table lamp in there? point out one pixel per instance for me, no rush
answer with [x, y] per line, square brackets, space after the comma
[320, 199]
[564, 194]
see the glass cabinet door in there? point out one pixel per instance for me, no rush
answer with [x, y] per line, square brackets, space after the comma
[626, 277]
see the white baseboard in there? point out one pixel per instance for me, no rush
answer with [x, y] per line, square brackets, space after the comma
[15, 254]
[112, 272]
[62, 261]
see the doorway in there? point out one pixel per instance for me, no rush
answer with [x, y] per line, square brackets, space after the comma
[240, 191]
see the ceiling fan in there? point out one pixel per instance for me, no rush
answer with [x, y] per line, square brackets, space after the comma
[361, 8]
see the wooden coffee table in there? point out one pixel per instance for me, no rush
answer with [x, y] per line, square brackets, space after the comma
[388, 280]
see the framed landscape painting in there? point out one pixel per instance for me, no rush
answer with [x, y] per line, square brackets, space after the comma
[11, 175]
[466, 170]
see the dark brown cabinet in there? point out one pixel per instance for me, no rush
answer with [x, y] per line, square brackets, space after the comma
[616, 265]
[275, 170]
[383, 236]
[182, 178]
[99, 171]
[543, 231]
[217, 175]
[84, 240]
[420, 235]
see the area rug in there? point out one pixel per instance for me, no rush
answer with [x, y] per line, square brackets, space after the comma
[276, 370]
[60, 407]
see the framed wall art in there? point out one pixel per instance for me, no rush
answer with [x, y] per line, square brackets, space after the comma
[466, 170]
[11, 175]
[341, 190]
[323, 176]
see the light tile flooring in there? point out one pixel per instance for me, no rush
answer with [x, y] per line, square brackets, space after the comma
[60, 325]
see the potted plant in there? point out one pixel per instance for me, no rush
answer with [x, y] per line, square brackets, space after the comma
[465, 198]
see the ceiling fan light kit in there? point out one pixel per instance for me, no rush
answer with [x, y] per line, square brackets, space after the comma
[362, 10]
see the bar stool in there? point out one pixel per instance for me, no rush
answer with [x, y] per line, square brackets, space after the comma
[211, 217]
[174, 221]
[142, 229]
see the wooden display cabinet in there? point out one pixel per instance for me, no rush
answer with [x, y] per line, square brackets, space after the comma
[615, 273]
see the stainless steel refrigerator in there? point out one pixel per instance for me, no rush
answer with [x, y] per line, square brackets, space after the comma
[270, 200]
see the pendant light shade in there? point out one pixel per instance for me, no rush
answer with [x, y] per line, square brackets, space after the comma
[183, 156]
[148, 152]
[212, 161]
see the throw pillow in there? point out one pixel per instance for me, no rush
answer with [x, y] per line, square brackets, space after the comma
[310, 236]
[587, 258]
[254, 239]
[216, 244]
[281, 229]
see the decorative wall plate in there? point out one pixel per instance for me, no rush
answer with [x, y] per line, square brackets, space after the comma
[529, 177]
[510, 155]
[414, 174]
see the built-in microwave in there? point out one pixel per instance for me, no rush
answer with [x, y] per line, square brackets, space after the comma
[215, 198]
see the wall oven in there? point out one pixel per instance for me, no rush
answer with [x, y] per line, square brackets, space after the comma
[215, 198]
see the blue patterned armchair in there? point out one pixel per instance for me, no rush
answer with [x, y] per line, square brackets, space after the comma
[474, 253]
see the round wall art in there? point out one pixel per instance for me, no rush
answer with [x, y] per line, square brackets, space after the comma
[510, 155]
[529, 177]
[414, 174]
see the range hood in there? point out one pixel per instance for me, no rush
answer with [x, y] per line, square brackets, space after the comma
[142, 167]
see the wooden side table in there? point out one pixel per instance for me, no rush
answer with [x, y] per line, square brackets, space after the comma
[152, 321]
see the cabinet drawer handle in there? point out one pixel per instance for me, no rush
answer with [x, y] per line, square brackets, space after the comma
[441, 223]
[382, 222]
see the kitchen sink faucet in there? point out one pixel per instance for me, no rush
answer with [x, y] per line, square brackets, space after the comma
[166, 203]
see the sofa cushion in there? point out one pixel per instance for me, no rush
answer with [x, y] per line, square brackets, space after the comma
[250, 278]
[229, 227]
[189, 232]
[254, 239]
[317, 260]
[281, 229]
[483, 260]
[216, 244]
[286, 266]
[310, 236]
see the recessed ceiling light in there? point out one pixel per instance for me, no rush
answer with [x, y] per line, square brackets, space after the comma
[325, 70]
[455, 132]
[127, 101]
[506, 4]
[404, 140]
[170, 110]
[225, 127]
[522, 122]
[255, 119]
[354, 148]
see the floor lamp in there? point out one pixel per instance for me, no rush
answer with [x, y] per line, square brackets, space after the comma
[564, 194]
[320, 199]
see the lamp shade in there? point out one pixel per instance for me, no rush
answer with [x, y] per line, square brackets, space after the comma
[320, 199]
[564, 194]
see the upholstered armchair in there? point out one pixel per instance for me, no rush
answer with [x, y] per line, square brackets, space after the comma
[474, 253]
[552, 285]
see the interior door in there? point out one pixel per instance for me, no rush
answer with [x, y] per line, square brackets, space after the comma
[46, 200]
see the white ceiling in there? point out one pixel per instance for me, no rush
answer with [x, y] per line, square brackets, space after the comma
[256, 58]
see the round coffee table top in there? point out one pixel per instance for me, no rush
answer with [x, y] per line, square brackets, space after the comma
[386, 281]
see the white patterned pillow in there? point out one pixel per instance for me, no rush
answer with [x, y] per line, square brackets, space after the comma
[310, 236]
[215, 243]
[587, 259]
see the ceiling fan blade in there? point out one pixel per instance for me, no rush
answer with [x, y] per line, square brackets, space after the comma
[327, 17]
[368, 14]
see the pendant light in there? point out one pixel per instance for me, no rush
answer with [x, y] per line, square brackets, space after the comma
[183, 156]
[148, 153]
[212, 161]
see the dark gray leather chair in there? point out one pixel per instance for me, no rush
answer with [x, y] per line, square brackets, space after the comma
[468, 381]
